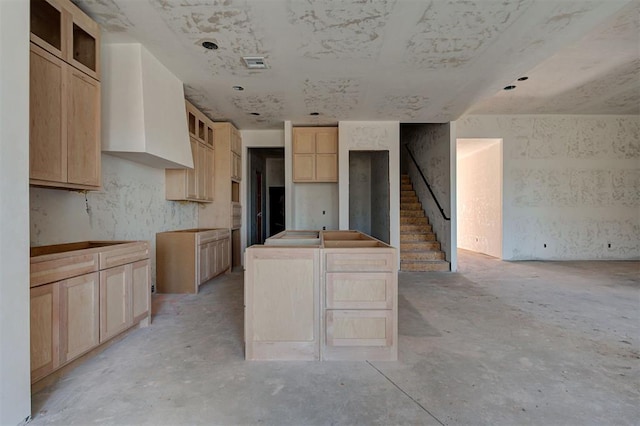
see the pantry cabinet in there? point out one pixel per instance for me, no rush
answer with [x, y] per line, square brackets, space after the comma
[64, 97]
[315, 154]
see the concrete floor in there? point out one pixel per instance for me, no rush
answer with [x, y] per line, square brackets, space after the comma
[498, 343]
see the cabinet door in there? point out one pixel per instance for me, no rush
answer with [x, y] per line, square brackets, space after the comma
[115, 306]
[201, 172]
[84, 43]
[236, 166]
[304, 167]
[140, 290]
[304, 141]
[79, 316]
[204, 251]
[326, 167]
[45, 330]
[224, 254]
[209, 175]
[83, 134]
[327, 140]
[281, 297]
[47, 117]
[47, 22]
[192, 178]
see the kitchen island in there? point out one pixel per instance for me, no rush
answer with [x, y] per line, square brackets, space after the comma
[321, 295]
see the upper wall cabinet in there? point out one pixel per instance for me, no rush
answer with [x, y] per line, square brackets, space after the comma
[61, 28]
[195, 184]
[64, 139]
[315, 154]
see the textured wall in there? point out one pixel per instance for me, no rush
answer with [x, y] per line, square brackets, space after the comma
[431, 146]
[380, 224]
[570, 182]
[371, 136]
[479, 195]
[360, 191]
[312, 199]
[131, 206]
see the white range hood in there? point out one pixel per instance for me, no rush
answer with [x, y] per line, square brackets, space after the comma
[143, 109]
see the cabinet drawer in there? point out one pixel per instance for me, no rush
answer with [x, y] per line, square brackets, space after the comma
[355, 262]
[124, 253]
[359, 328]
[62, 268]
[349, 290]
[206, 237]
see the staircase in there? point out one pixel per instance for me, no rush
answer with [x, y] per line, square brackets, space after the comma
[419, 249]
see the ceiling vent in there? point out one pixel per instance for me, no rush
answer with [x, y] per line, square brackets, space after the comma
[255, 62]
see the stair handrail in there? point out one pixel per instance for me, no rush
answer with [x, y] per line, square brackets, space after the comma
[444, 216]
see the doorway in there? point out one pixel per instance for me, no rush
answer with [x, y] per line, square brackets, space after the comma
[369, 200]
[265, 202]
[479, 183]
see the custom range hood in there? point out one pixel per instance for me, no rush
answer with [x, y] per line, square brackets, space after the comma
[143, 109]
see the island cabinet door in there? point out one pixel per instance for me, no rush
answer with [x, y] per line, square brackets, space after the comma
[79, 315]
[281, 296]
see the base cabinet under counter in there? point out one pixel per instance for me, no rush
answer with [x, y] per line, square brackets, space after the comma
[187, 258]
[68, 304]
[355, 306]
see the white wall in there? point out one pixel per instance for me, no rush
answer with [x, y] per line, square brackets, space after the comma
[433, 146]
[131, 206]
[570, 182]
[315, 206]
[479, 195]
[370, 136]
[15, 388]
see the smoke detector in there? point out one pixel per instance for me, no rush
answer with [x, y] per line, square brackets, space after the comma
[255, 62]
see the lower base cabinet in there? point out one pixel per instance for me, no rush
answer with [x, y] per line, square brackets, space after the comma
[187, 258]
[79, 316]
[342, 306]
[72, 316]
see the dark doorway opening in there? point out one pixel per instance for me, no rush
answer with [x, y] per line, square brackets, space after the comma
[263, 199]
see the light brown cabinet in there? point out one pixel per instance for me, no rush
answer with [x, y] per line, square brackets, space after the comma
[282, 291]
[355, 305]
[187, 258]
[45, 330]
[315, 154]
[83, 294]
[195, 184]
[226, 209]
[64, 97]
[79, 315]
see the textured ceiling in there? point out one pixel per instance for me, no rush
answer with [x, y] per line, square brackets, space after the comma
[414, 61]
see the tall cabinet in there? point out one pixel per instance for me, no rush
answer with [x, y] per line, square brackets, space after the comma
[226, 210]
[64, 138]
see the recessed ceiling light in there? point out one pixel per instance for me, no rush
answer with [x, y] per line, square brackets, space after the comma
[509, 87]
[238, 88]
[209, 45]
[254, 113]
[523, 78]
[314, 113]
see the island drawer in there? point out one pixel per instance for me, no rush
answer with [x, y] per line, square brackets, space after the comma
[360, 290]
[359, 328]
[346, 261]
